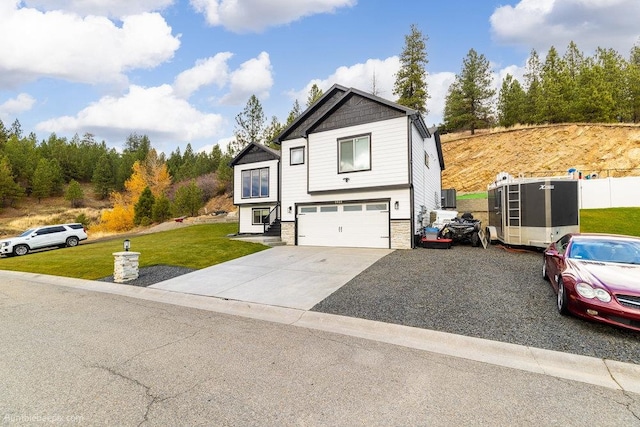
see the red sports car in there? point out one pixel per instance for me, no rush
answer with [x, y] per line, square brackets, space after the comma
[597, 277]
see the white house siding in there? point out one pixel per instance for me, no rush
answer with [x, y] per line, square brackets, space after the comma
[294, 179]
[294, 192]
[245, 220]
[273, 182]
[389, 157]
[426, 179]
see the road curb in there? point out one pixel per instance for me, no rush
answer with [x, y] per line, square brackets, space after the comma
[601, 372]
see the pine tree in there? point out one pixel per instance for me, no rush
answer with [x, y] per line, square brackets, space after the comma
[314, 94]
[249, 125]
[188, 200]
[9, 189]
[143, 209]
[511, 102]
[42, 183]
[272, 130]
[613, 68]
[534, 100]
[556, 104]
[74, 194]
[224, 174]
[468, 104]
[411, 85]
[161, 210]
[572, 61]
[595, 101]
[104, 180]
[633, 84]
[294, 113]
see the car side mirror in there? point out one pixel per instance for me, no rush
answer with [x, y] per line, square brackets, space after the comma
[553, 253]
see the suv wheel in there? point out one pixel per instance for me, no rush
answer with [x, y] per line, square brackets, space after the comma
[72, 241]
[21, 250]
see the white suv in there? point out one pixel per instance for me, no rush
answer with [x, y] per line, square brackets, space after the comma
[44, 237]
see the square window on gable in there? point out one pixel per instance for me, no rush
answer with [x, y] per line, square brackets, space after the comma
[354, 154]
[297, 156]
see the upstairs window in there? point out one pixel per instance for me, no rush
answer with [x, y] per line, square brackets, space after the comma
[255, 183]
[354, 154]
[297, 156]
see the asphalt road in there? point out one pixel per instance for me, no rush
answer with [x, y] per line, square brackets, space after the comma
[76, 357]
[496, 294]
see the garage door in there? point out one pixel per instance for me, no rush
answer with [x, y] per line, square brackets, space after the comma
[363, 225]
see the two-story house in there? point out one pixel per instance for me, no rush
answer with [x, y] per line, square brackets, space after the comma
[356, 170]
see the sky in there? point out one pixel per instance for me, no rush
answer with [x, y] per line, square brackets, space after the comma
[180, 71]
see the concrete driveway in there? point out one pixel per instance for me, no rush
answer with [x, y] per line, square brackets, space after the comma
[286, 276]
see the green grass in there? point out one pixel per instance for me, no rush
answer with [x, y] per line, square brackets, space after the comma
[200, 246]
[469, 196]
[197, 246]
[611, 220]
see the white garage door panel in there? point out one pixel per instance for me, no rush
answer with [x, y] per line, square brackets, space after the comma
[363, 225]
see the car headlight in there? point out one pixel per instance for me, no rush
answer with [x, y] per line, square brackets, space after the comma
[587, 291]
[5, 244]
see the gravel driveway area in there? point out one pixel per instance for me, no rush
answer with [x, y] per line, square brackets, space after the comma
[496, 294]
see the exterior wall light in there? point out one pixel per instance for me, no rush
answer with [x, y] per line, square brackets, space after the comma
[289, 209]
[396, 205]
[126, 244]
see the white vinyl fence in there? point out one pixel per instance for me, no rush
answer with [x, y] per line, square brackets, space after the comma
[610, 192]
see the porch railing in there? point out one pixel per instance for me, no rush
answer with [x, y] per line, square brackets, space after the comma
[273, 216]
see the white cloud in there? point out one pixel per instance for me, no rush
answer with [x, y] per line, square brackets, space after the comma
[361, 76]
[12, 107]
[114, 8]
[540, 24]
[438, 85]
[208, 71]
[91, 50]
[154, 111]
[223, 143]
[254, 77]
[256, 15]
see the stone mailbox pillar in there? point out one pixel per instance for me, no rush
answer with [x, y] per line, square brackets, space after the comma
[125, 266]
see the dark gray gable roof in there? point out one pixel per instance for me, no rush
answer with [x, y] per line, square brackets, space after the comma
[319, 108]
[436, 136]
[254, 153]
[342, 107]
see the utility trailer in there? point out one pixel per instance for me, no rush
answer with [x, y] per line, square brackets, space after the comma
[532, 211]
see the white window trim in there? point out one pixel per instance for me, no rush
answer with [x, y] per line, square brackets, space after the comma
[251, 173]
[291, 150]
[352, 139]
[253, 216]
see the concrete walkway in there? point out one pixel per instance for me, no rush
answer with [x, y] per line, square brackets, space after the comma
[284, 276]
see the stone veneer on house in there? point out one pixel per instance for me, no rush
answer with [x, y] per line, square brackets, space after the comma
[401, 234]
[288, 232]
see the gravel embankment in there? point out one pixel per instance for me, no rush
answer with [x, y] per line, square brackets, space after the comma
[494, 294]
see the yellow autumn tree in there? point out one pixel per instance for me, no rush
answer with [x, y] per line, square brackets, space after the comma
[152, 173]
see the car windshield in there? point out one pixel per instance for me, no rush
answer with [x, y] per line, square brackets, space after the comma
[26, 233]
[624, 252]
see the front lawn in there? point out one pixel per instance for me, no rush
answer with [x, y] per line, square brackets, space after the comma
[196, 246]
[611, 220]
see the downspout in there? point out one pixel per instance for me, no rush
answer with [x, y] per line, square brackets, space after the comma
[411, 190]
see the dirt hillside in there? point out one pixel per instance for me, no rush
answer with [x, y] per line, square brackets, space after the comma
[472, 162]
